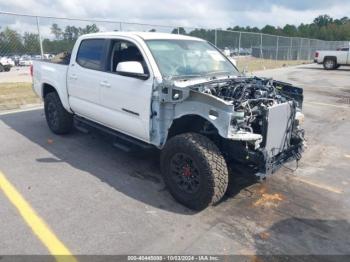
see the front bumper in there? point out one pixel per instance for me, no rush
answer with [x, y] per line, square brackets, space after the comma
[266, 165]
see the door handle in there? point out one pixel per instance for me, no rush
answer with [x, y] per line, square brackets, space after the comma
[105, 84]
[73, 77]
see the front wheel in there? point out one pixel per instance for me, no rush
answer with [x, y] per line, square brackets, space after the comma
[194, 170]
[59, 120]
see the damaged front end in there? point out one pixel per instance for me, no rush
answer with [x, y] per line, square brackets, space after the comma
[258, 119]
[265, 128]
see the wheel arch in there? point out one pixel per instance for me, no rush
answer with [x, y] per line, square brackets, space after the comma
[330, 57]
[189, 123]
[48, 87]
[193, 123]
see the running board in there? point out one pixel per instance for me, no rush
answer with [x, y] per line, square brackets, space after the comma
[122, 141]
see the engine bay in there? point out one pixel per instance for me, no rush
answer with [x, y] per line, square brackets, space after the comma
[251, 98]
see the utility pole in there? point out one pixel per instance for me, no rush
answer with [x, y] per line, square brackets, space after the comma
[40, 40]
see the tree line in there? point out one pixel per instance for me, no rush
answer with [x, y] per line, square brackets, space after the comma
[13, 43]
[323, 27]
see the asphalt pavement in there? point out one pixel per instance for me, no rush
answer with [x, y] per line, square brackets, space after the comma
[96, 199]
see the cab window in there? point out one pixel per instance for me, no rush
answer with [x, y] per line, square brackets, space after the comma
[90, 53]
[125, 51]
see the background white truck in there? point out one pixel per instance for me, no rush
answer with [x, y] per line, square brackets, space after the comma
[333, 59]
[6, 63]
[181, 95]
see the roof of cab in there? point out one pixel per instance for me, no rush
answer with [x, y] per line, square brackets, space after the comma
[145, 35]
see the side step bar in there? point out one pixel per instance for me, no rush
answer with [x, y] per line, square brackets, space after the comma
[121, 141]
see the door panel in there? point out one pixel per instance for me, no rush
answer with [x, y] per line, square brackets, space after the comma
[126, 101]
[127, 104]
[84, 76]
[83, 83]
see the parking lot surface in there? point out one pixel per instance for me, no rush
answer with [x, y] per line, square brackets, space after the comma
[16, 74]
[99, 200]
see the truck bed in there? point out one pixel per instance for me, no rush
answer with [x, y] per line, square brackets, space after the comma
[53, 74]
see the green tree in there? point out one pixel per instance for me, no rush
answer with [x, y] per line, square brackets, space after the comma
[89, 29]
[179, 30]
[71, 33]
[31, 43]
[323, 20]
[290, 30]
[56, 31]
[10, 42]
[269, 29]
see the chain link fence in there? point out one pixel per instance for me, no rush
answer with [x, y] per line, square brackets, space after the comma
[24, 38]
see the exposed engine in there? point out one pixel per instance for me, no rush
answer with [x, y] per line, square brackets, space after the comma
[250, 97]
[262, 108]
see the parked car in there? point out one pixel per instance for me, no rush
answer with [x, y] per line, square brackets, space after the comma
[178, 94]
[333, 59]
[16, 58]
[6, 63]
[48, 56]
[25, 61]
[36, 57]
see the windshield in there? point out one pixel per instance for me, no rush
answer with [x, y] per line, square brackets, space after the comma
[189, 58]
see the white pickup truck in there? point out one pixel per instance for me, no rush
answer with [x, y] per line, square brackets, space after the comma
[6, 64]
[181, 95]
[333, 59]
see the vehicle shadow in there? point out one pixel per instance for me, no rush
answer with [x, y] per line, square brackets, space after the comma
[93, 153]
[310, 240]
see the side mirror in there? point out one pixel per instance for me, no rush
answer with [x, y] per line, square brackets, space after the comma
[132, 69]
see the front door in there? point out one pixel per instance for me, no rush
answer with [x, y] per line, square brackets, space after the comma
[126, 100]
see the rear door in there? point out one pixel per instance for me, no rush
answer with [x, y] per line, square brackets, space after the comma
[84, 78]
[126, 101]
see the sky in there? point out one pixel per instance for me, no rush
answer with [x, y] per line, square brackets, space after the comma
[187, 13]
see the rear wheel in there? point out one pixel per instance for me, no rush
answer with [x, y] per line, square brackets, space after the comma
[2, 68]
[329, 64]
[194, 170]
[59, 120]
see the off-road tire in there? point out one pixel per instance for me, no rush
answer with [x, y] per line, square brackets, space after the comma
[211, 165]
[7, 68]
[2, 69]
[59, 120]
[329, 64]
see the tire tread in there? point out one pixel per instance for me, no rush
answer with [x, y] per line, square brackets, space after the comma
[216, 168]
[65, 118]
